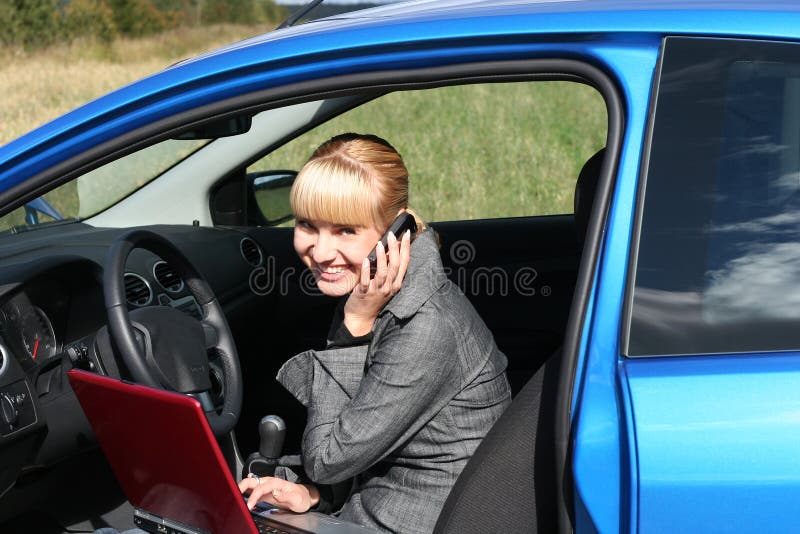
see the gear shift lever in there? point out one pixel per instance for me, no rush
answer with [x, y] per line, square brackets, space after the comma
[272, 431]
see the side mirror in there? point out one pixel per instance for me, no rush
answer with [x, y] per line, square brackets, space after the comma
[270, 193]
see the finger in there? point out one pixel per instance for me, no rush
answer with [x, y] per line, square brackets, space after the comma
[365, 276]
[247, 484]
[263, 491]
[394, 257]
[405, 258]
[380, 272]
[255, 494]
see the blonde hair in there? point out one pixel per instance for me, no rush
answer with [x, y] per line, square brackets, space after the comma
[353, 179]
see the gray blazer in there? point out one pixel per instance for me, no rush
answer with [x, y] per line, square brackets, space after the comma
[402, 415]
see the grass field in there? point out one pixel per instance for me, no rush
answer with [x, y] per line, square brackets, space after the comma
[472, 151]
[39, 86]
[475, 151]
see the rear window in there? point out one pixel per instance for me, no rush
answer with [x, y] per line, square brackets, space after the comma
[718, 264]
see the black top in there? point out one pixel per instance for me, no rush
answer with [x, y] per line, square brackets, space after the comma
[339, 335]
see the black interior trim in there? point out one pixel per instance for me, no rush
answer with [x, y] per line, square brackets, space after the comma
[583, 286]
[630, 281]
[393, 80]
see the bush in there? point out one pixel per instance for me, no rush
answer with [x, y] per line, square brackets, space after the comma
[92, 18]
[138, 17]
[39, 23]
[7, 22]
[241, 11]
[31, 23]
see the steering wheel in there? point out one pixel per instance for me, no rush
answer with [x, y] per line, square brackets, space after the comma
[163, 347]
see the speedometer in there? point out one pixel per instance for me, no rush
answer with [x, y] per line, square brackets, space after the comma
[37, 334]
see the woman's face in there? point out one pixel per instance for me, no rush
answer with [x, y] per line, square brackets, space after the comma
[334, 252]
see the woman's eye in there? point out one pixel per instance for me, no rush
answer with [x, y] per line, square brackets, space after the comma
[348, 231]
[305, 224]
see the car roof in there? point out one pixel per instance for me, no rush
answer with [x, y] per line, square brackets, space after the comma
[424, 17]
[425, 20]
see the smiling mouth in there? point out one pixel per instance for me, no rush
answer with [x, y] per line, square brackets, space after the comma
[331, 274]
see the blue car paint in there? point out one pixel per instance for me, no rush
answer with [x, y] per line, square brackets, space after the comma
[603, 458]
[718, 441]
[657, 442]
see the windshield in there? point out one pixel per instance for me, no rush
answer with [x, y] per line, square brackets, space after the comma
[103, 187]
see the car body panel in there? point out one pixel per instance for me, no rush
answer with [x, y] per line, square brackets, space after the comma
[711, 437]
[716, 440]
[602, 461]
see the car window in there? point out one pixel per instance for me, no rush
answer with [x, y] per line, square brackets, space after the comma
[102, 187]
[718, 266]
[477, 151]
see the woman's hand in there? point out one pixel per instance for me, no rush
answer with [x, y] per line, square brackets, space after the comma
[369, 296]
[281, 493]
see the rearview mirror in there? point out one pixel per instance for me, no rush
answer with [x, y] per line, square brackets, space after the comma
[270, 191]
[216, 129]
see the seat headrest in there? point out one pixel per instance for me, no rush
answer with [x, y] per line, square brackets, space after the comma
[585, 189]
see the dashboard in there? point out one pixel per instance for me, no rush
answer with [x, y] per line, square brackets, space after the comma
[53, 318]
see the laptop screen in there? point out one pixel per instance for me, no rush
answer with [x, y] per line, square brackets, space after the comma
[163, 453]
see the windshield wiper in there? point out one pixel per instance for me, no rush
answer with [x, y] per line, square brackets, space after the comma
[300, 13]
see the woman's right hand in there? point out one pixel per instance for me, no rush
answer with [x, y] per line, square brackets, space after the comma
[281, 493]
[370, 295]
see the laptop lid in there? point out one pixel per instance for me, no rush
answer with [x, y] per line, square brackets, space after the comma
[163, 453]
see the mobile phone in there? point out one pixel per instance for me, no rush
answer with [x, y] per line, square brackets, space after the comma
[404, 221]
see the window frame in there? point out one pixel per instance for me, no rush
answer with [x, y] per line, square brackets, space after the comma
[636, 235]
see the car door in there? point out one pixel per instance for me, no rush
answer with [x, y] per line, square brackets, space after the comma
[703, 381]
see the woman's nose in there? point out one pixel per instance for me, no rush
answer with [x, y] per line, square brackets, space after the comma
[324, 249]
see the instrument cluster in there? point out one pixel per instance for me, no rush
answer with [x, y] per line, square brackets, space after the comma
[27, 331]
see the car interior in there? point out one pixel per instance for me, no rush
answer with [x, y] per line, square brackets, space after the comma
[212, 208]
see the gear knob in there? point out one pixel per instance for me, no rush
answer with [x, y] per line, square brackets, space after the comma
[272, 431]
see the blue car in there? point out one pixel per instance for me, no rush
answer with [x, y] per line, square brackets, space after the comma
[650, 315]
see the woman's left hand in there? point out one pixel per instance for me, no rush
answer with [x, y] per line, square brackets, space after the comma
[370, 295]
[281, 493]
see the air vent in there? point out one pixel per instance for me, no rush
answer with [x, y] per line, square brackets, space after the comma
[137, 290]
[3, 359]
[166, 276]
[251, 252]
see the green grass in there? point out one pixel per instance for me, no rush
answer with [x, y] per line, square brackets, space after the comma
[487, 150]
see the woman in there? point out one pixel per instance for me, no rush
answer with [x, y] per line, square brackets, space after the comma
[411, 379]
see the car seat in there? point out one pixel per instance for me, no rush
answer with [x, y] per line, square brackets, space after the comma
[509, 484]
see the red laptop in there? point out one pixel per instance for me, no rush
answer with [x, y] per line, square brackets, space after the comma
[170, 467]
